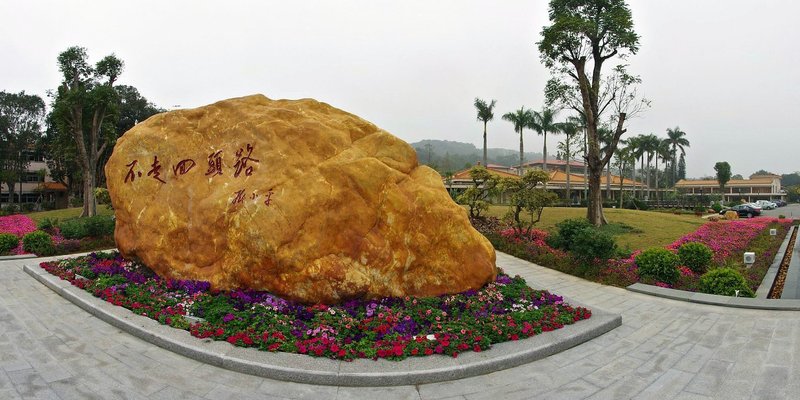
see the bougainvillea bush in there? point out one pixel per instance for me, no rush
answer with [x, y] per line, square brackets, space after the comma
[18, 225]
[728, 240]
[391, 328]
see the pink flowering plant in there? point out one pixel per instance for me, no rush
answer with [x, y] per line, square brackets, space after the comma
[391, 328]
[18, 225]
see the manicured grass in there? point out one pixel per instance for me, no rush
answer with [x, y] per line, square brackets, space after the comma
[633, 229]
[67, 213]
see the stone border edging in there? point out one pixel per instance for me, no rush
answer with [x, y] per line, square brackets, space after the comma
[17, 257]
[322, 371]
[769, 278]
[717, 300]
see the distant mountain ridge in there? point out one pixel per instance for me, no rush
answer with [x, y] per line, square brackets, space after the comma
[450, 156]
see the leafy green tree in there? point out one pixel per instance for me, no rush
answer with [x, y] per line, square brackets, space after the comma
[682, 167]
[521, 119]
[544, 122]
[85, 105]
[761, 172]
[582, 37]
[61, 155]
[723, 174]
[677, 141]
[477, 197]
[485, 114]
[21, 117]
[527, 194]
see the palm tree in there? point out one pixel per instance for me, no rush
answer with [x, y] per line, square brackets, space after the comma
[521, 119]
[676, 139]
[544, 122]
[570, 129]
[661, 150]
[649, 144]
[637, 145]
[624, 155]
[485, 114]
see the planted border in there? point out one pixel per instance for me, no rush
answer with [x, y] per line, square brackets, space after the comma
[389, 328]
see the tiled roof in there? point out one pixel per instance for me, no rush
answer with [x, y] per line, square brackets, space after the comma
[732, 182]
[52, 186]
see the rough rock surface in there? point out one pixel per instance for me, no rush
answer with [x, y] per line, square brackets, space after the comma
[294, 197]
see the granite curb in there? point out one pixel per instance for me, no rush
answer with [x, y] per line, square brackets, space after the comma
[769, 278]
[17, 257]
[322, 371]
[717, 300]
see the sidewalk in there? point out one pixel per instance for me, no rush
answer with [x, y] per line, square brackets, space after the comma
[49, 348]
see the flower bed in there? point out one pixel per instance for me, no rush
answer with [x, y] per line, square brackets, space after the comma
[727, 239]
[391, 328]
[18, 225]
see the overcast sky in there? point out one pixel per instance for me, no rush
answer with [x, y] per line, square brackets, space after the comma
[725, 71]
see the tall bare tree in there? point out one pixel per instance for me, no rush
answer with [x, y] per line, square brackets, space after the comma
[582, 37]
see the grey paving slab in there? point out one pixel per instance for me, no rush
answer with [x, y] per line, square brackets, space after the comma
[726, 352]
[791, 287]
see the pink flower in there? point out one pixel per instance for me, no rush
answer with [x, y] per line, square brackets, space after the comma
[17, 224]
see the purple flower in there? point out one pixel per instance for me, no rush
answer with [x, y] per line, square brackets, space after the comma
[228, 317]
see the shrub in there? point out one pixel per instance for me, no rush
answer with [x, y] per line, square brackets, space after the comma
[28, 207]
[74, 229]
[8, 242]
[567, 229]
[782, 216]
[68, 246]
[102, 196]
[47, 224]
[716, 207]
[39, 243]
[589, 243]
[659, 264]
[725, 282]
[99, 225]
[696, 256]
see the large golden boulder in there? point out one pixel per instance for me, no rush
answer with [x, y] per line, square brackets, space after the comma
[294, 197]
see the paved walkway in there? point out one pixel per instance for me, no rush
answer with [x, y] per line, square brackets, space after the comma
[50, 348]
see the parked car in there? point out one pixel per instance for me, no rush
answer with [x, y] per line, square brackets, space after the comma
[780, 203]
[744, 210]
[766, 204]
[755, 206]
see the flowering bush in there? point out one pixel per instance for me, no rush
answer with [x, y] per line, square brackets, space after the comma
[728, 238]
[391, 328]
[17, 224]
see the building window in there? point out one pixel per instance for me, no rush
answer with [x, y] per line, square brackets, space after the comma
[32, 177]
[34, 156]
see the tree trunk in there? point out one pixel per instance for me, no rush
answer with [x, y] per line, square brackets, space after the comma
[485, 163]
[633, 176]
[656, 178]
[569, 199]
[544, 152]
[595, 206]
[621, 179]
[521, 152]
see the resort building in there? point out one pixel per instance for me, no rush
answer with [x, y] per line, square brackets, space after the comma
[34, 187]
[578, 185]
[758, 187]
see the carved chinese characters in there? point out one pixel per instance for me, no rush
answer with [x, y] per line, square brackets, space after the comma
[294, 197]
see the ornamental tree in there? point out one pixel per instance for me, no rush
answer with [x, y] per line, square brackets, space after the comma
[527, 194]
[484, 187]
[583, 37]
[84, 107]
[723, 174]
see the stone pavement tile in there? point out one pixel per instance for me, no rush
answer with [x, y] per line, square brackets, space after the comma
[70, 389]
[296, 391]
[144, 382]
[691, 396]
[30, 385]
[574, 371]
[713, 338]
[695, 359]
[519, 391]
[659, 364]
[621, 389]
[186, 379]
[52, 372]
[780, 353]
[669, 384]
[9, 394]
[532, 375]
[677, 327]
[772, 382]
[650, 347]
[735, 389]
[172, 393]
[710, 378]
[382, 393]
[609, 351]
[613, 370]
[221, 376]
[578, 389]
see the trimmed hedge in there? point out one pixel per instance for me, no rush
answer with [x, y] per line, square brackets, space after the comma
[659, 264]
[39, 243]
[696, 256]
[8, 242]
[725, 282]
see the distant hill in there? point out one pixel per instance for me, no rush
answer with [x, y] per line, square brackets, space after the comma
[451, 156]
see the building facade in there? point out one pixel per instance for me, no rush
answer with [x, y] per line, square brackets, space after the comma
[34, 186]
[758, 187]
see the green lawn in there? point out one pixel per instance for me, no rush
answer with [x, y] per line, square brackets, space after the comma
[67, 213]
[633, 229]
